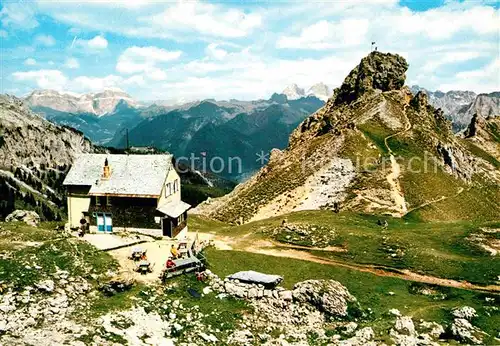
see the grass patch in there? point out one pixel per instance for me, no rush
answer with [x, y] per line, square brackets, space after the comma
[434, 248]
[30, 254]
[477, 151]
[370, 290]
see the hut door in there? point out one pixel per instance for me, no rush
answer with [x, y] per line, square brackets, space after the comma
[100, 222]
[108, 223]
[166, 226]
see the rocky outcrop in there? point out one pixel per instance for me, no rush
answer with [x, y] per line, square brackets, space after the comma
[41, 315]
[27, 216]
[474, 125]
[377, 71]
[329, 296]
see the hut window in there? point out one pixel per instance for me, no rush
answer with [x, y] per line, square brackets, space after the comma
[97, 201]
[168, 189]
[108, 200]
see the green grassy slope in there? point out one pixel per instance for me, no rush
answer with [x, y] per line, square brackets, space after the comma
[438, 249]
[380, 294]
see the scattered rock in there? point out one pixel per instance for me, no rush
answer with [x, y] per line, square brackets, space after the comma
[27, 216]
[328, 296]
[45, 286]
[465, 312]
[465, 332]
[404, 325]
[395, 312]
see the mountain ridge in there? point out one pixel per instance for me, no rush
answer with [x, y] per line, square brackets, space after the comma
[98, 103]
[374, 120]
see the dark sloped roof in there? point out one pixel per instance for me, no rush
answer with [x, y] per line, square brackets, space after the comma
[130, 174]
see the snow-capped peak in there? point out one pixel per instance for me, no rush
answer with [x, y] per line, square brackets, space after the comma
[321, 91]
[293, 92]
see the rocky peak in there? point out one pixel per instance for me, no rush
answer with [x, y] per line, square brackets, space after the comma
[279, 98]
[321, 91]
[376, 71]
[293, 92]
[419, 101]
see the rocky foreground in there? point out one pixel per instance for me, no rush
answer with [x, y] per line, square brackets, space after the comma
[59, 311]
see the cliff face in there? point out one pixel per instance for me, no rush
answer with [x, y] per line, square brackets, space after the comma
[374, 147]
[485, 105]
[34, 158]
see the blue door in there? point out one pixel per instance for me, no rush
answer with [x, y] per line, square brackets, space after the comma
[108, 223]
[100, 222]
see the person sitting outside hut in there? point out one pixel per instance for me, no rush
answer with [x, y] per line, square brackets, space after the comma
[174, 252]
[83, 226]
[170, 263]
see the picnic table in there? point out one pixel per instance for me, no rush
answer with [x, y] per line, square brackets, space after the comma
[137, 253]
[183, 265]
[144, 267]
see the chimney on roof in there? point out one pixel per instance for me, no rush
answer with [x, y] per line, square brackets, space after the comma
[107, 170]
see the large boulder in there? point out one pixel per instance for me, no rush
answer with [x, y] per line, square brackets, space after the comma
[29, 217]
[377, 71]
[329, 296]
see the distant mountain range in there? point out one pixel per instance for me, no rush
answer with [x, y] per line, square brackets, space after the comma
[319, 90]
[95, 103]
[224, 129]
[216, 128]
[460, 106]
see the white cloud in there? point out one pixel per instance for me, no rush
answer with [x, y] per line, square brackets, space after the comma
[45, 40]
[119, 3]
[484, 79]
[208, 19]
[158, 19]
[434, 62]
[98, 43]
[214, 51]
[19, 15]
[45, 79]
[440, 23]
[355, 25]
[72, 63]
[145, 59]
[327, 35]
[30, 62]
[87, 84]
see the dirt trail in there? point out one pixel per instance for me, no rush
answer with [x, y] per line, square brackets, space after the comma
[393, 177]
[396, 190]
[269, 248]
[439, 199]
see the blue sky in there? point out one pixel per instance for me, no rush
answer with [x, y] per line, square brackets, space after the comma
[247, 50]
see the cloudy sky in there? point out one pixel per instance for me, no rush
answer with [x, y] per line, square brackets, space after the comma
[240, 49]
